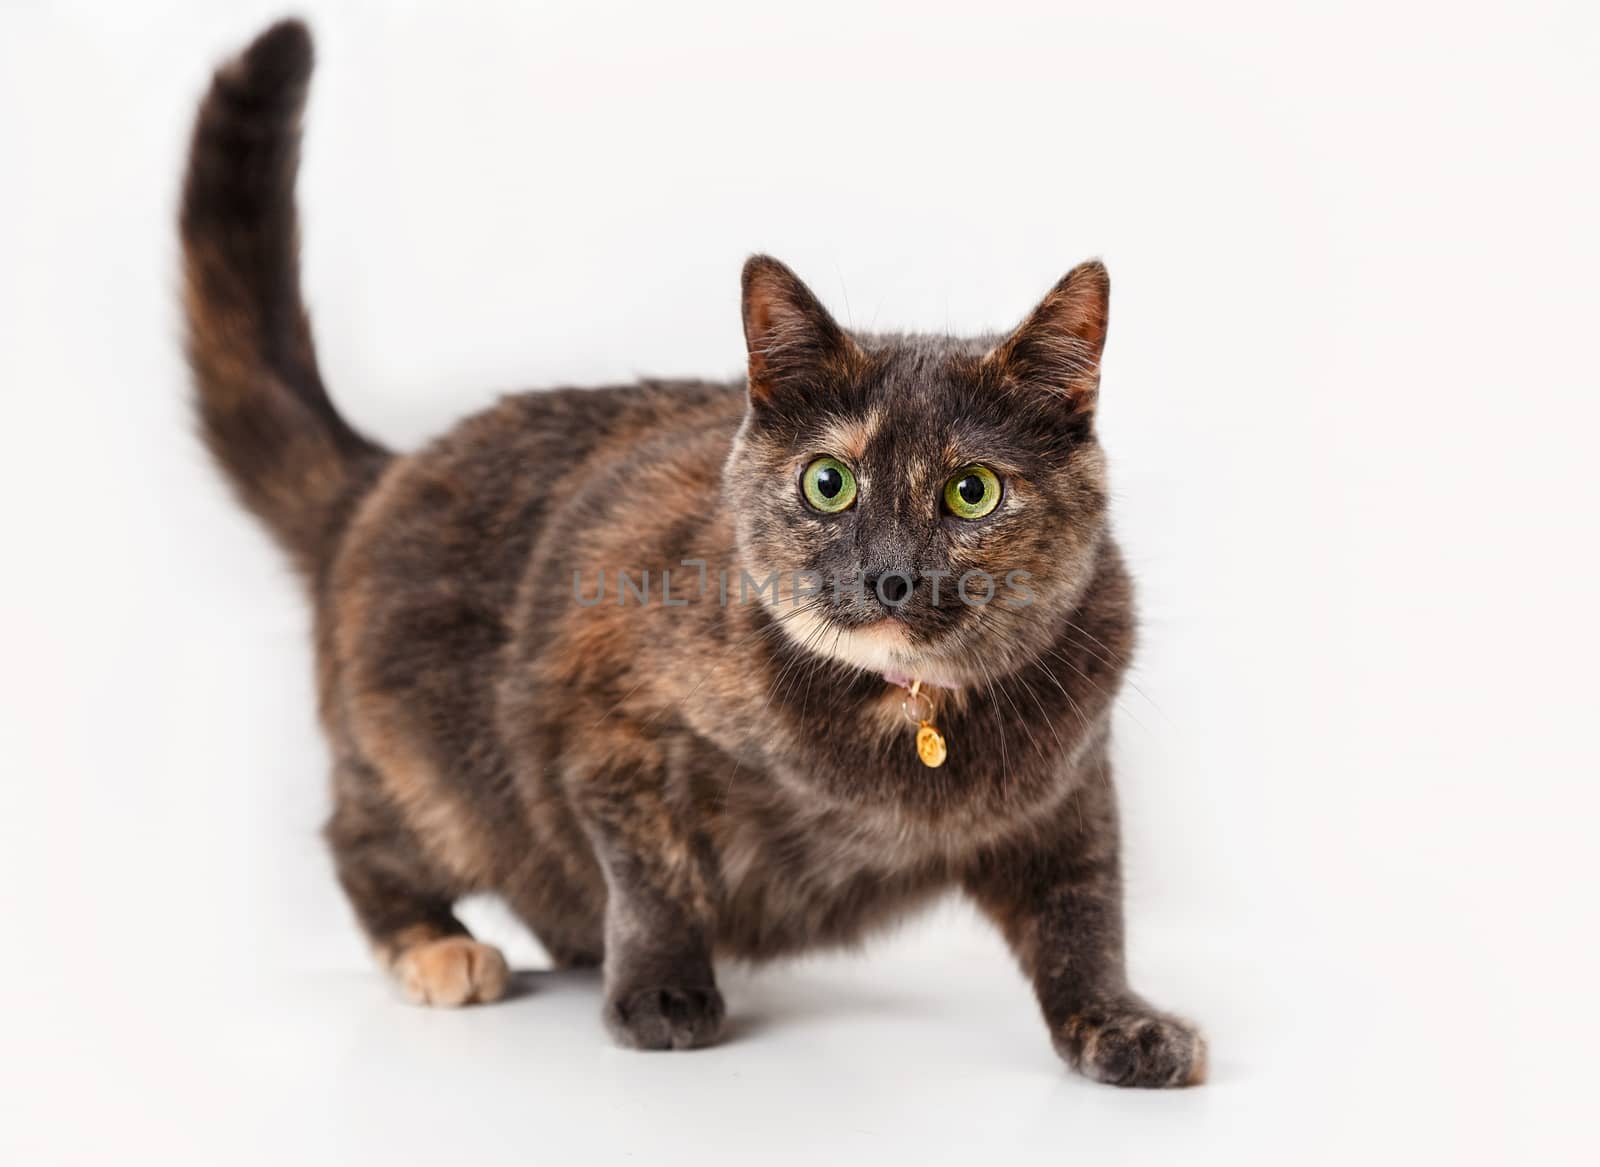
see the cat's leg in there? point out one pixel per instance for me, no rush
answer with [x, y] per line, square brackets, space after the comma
[402, 904]
[1059, 903]
[660, 991]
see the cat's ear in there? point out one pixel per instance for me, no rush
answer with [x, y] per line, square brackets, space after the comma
[794, 344]
[1057, 348]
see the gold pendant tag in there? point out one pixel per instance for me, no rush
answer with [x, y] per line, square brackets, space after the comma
[931, 749]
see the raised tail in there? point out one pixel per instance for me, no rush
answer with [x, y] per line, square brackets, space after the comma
[264, 413]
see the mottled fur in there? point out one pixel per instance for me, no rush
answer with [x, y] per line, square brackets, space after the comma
[650, 786]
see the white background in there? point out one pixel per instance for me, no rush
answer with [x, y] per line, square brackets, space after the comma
[1350, 403]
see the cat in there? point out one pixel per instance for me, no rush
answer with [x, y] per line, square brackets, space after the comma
[665, 768]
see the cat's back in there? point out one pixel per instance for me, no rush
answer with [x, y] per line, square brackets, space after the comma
[428, 570]
[467, 507]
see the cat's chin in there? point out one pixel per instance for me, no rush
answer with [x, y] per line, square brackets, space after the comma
[883, 647]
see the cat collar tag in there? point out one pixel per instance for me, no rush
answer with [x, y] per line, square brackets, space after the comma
[930, 742]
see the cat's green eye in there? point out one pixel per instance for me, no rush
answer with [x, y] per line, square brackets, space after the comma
[972, 493]
[828, 486]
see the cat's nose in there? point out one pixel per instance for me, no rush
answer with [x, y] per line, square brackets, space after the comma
[892, 587]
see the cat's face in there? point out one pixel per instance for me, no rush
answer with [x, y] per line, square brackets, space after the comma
[930, 507]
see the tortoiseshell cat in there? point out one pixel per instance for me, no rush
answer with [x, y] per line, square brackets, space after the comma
[652, 782]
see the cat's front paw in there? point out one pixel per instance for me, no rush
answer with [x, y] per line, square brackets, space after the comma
[1131, 1045]
[453, 970]
[664, 1017]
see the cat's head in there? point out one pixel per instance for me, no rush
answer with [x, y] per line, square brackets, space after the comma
[919, 465]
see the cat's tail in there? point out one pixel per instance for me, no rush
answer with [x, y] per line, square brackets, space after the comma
[263, 410]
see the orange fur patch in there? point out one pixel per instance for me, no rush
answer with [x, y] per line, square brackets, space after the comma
[456, 970]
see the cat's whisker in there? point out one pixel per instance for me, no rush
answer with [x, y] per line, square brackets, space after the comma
[816, 664]
[981, 619]
[1100, 765]
[986, 621]
[1116, 663]
[1005, 763]
[1116, 698]
[982, 615]
[801, 656]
